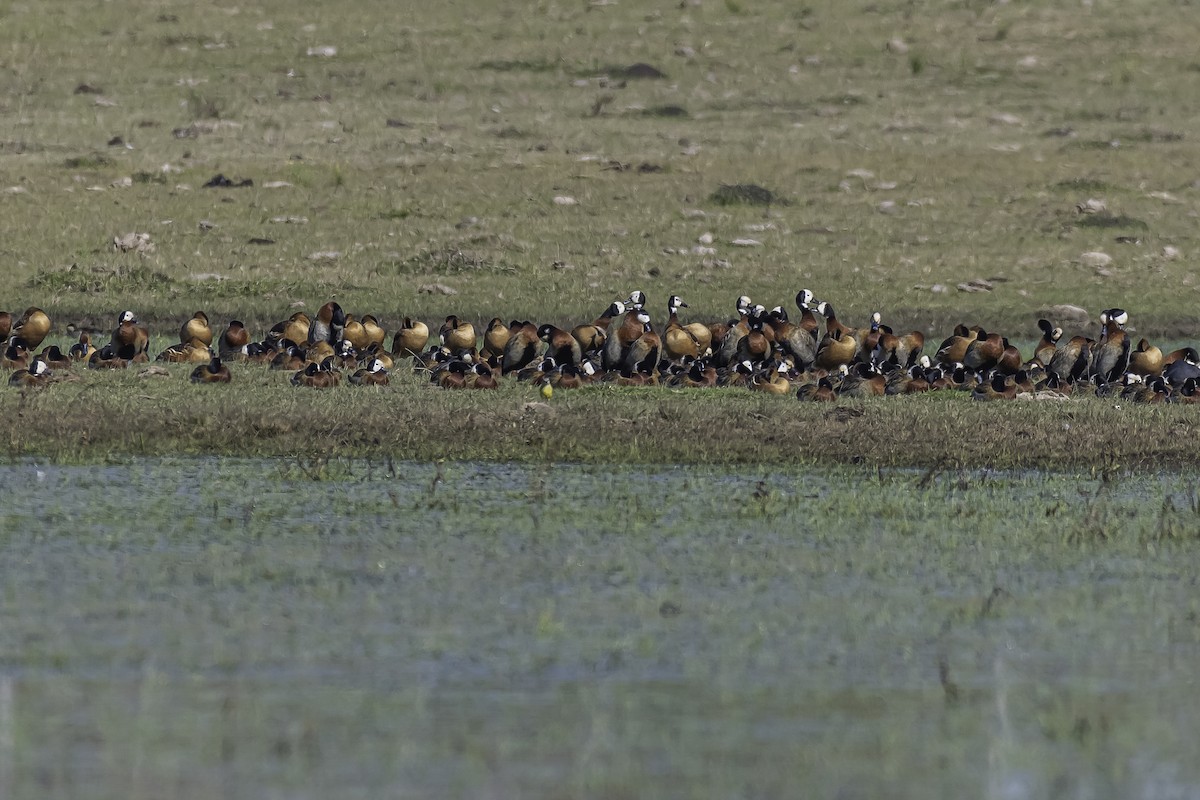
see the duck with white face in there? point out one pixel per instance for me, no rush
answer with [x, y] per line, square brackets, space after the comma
[592, 335]
[130, 339]
[35, 375]
[642, 353]
[373, 374]
[683, 341]
[1110, 355]
[632, 326]
[726, 344]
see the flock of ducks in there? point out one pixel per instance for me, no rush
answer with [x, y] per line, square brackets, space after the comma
[816, 356]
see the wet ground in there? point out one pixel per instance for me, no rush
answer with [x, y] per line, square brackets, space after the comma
[272, 629]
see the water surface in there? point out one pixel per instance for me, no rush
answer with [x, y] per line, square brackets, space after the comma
[272, 629]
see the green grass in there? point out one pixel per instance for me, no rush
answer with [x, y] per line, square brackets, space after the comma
[429, 150]
[101, 414]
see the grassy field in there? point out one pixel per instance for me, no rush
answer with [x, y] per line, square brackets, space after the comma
[107, 414]
[407, 161]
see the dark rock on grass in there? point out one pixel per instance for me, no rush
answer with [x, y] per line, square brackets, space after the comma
[87, 88]
[666, 111]
[1110, 221]
[393, 122]
[639, 70]
[644, 168]
[749, 194]
[219, 181]
[91, 161]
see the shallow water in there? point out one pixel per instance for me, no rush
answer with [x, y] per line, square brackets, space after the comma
[262, 629]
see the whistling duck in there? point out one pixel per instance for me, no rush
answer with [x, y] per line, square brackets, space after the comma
[861, 381]
[997, 387]
[954, 348]
[1043, 351]
[482, 377]
[833, 326]
[1182, 354]
[909, 381]
[196, 331]
[679, 342]
[107, 358]
[1182, 368]
[374, 374]
[984, 351]
[798, 342]
[1146, 360]
[700, 375]
[235, 341]
[36, 375]
[55, 358]
[130, 339]
[755, 346]
[185, 352]
[726, 352]
[560, 345]
[820, 392]
[774, 382]
[808, 320]
[642, 353]
[567, 376]
[375, 333]
[294, 329]
[495, 337]
[212, 372]
[347, 355]
[616, 346]
[904, 350]
[1110, 355]
[702, 333]
[30, 329]
[83, 349]
[1154, 392]
[328, 327]
[376, 351]
[592, 335]
[1071, 359]
[6, 323]
[257, 353]
[868, 338]
[458, 335]
[355, 333]
[290, 358]
[836, 350]
[411, 339]
[1187, 393]
[522, 347]
[318, 376]
[455, 374]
